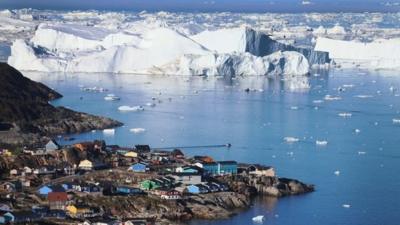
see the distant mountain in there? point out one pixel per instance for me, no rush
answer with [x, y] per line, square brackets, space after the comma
[26, 117]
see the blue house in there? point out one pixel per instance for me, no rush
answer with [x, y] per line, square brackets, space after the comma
[45, 190]
[138, 167]
[193, 189]
[210, 168]
[124, 190]
[227, 167]
[220, 168]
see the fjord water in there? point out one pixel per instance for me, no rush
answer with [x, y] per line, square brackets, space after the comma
[207, 111]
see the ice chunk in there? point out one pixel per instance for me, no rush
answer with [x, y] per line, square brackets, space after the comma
[109, 132]
[321, 142]
[111, 97]
[346, 206]
[345, 114]
[396, 120]
[137, 130]
[258, 219]
[331, 98]
[291, 139]
[130, 108]
[337, 172]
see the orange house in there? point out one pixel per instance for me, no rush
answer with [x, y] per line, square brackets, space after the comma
[84, 146]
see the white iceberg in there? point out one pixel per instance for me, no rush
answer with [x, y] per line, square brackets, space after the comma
[379, 54]
[396, 120]
[109, 132]
[77, 48]
[126, 108]
[291, 139]
[258, 219]
[137, 130]
[321, 142]
[111, 97]
[345, 114]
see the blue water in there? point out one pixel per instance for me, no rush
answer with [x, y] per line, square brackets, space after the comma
[200, 111]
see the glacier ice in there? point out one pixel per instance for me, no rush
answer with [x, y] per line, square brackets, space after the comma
[379, 54]
[75, 48]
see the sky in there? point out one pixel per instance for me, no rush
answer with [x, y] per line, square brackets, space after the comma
[210, 5]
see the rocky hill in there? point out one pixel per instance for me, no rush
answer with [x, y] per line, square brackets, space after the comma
[26, 117]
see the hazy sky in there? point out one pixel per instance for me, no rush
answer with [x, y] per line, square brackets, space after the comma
[207, 5]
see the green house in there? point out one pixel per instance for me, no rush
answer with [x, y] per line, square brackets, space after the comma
[149, 185]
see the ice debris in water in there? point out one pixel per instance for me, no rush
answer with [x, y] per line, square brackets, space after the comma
[396, 120]
[291, 139]
[337, 172]
[126, 108]
[137, 130]
[321, 143]
[151, 104]
[362, 153]
[346, 206]
[357, 131]
[345, 114]
[258, 219]
[109, 131]
[363, 96]
[331, 98]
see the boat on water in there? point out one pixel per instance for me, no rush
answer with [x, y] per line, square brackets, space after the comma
[259, 219]
[111, 97]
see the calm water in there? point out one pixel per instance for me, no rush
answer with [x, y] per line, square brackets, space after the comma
[200, 111]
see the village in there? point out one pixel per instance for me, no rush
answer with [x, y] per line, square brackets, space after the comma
[54, 183]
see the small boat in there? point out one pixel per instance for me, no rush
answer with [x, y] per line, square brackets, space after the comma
[258, 219]
[111, 97]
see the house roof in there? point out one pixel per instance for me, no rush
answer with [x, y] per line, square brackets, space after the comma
[227, 162]
[57, 197]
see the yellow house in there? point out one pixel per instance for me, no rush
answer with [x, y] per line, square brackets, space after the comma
[131, 154]
[75, 210]
[7, 153]
[85, 165]
[72, 210]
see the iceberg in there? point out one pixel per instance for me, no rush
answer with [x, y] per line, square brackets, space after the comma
[126, 108]
[77, 48]
[245, 39]
[379, 54]
[258, 219]
[137, 130]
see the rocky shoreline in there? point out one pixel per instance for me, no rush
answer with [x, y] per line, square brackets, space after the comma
[27, 118]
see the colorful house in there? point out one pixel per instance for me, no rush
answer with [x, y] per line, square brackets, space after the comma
[139, 167]
[6, 218]
[227, 167]
[52, 145]
[85, 165]
[45, 190]
[149, 185]
[188, 169]
[125, 190]
[193, 189]
[187, 178]
[131, 154]
[57, 200]
[84, 146]
[210, 168]
[168, 194]
[220, 168]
